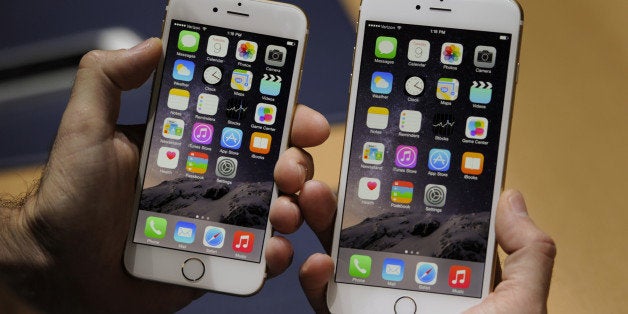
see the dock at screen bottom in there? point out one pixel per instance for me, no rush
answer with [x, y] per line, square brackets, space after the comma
[410, 272]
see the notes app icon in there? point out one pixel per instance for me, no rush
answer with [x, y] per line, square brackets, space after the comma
[243, 241]
[377, 118]
[178, 99]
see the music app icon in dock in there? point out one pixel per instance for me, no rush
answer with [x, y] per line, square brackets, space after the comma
[243, 241]
[459, 277]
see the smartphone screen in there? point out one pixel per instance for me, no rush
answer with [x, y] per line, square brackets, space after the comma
[423, 158]
[218, 127]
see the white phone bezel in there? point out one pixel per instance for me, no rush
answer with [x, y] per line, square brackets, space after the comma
[504, 16]
[221, 274]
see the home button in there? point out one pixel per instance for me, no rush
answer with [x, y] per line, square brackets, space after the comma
[405, 305]
[193, 269]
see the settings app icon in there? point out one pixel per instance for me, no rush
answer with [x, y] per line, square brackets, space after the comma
[226, 167]
[435, 195]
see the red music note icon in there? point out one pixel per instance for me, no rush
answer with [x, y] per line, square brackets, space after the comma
[459, 277]
[243, 241]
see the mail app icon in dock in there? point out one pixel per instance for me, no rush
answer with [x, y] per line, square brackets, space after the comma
[392, 269]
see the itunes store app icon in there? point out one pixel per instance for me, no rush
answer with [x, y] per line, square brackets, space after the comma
[202, 133]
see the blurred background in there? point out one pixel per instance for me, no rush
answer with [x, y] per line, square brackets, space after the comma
[568, 144]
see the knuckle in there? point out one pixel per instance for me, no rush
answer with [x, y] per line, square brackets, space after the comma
[92, 59]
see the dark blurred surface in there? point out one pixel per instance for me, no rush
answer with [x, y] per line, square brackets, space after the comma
[28, 126]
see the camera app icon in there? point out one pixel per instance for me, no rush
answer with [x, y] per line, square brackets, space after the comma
[484, 56]
[275, 55]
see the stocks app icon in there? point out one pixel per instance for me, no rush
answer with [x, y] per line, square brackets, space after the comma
[443, 124]
[236, 109]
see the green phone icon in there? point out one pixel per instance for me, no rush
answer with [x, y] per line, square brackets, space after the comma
[155, 227]
[188, 41]
[386, 47]
[360, 266]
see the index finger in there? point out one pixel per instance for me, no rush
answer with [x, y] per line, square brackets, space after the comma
[309, 127]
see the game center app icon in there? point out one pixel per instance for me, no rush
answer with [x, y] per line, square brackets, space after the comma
[214, 237]
[477, 128]
[451, 54]
[246, 50]
[168, 157]
[459, 277]
[265, 114]
[173, 128]
[368, 188]
[406, 156]
[243, 241]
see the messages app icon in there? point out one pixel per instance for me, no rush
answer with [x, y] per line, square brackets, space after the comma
[392, 270]
[188, 41]
[386, 47]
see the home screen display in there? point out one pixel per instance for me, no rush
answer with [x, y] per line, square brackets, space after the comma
[216, 137]
[423, 158]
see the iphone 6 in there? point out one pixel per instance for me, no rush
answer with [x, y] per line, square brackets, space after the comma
[220, 115]
[424, 153]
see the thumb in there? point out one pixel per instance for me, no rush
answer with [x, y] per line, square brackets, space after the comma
[101, 77]
[528, 268]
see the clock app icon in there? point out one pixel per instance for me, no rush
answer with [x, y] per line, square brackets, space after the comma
[414, 86]
[212, 75]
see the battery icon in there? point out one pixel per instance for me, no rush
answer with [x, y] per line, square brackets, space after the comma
[503, 37]
[290, 43]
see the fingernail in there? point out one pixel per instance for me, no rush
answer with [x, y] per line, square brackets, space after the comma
[517, 204]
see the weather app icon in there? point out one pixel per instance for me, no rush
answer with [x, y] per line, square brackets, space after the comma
[381, 82]
[183, 70]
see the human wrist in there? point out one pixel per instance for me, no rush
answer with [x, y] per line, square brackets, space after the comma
[24, 263]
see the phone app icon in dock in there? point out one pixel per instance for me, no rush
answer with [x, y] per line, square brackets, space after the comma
[243, 241]
[360, 266]
[155, 227]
